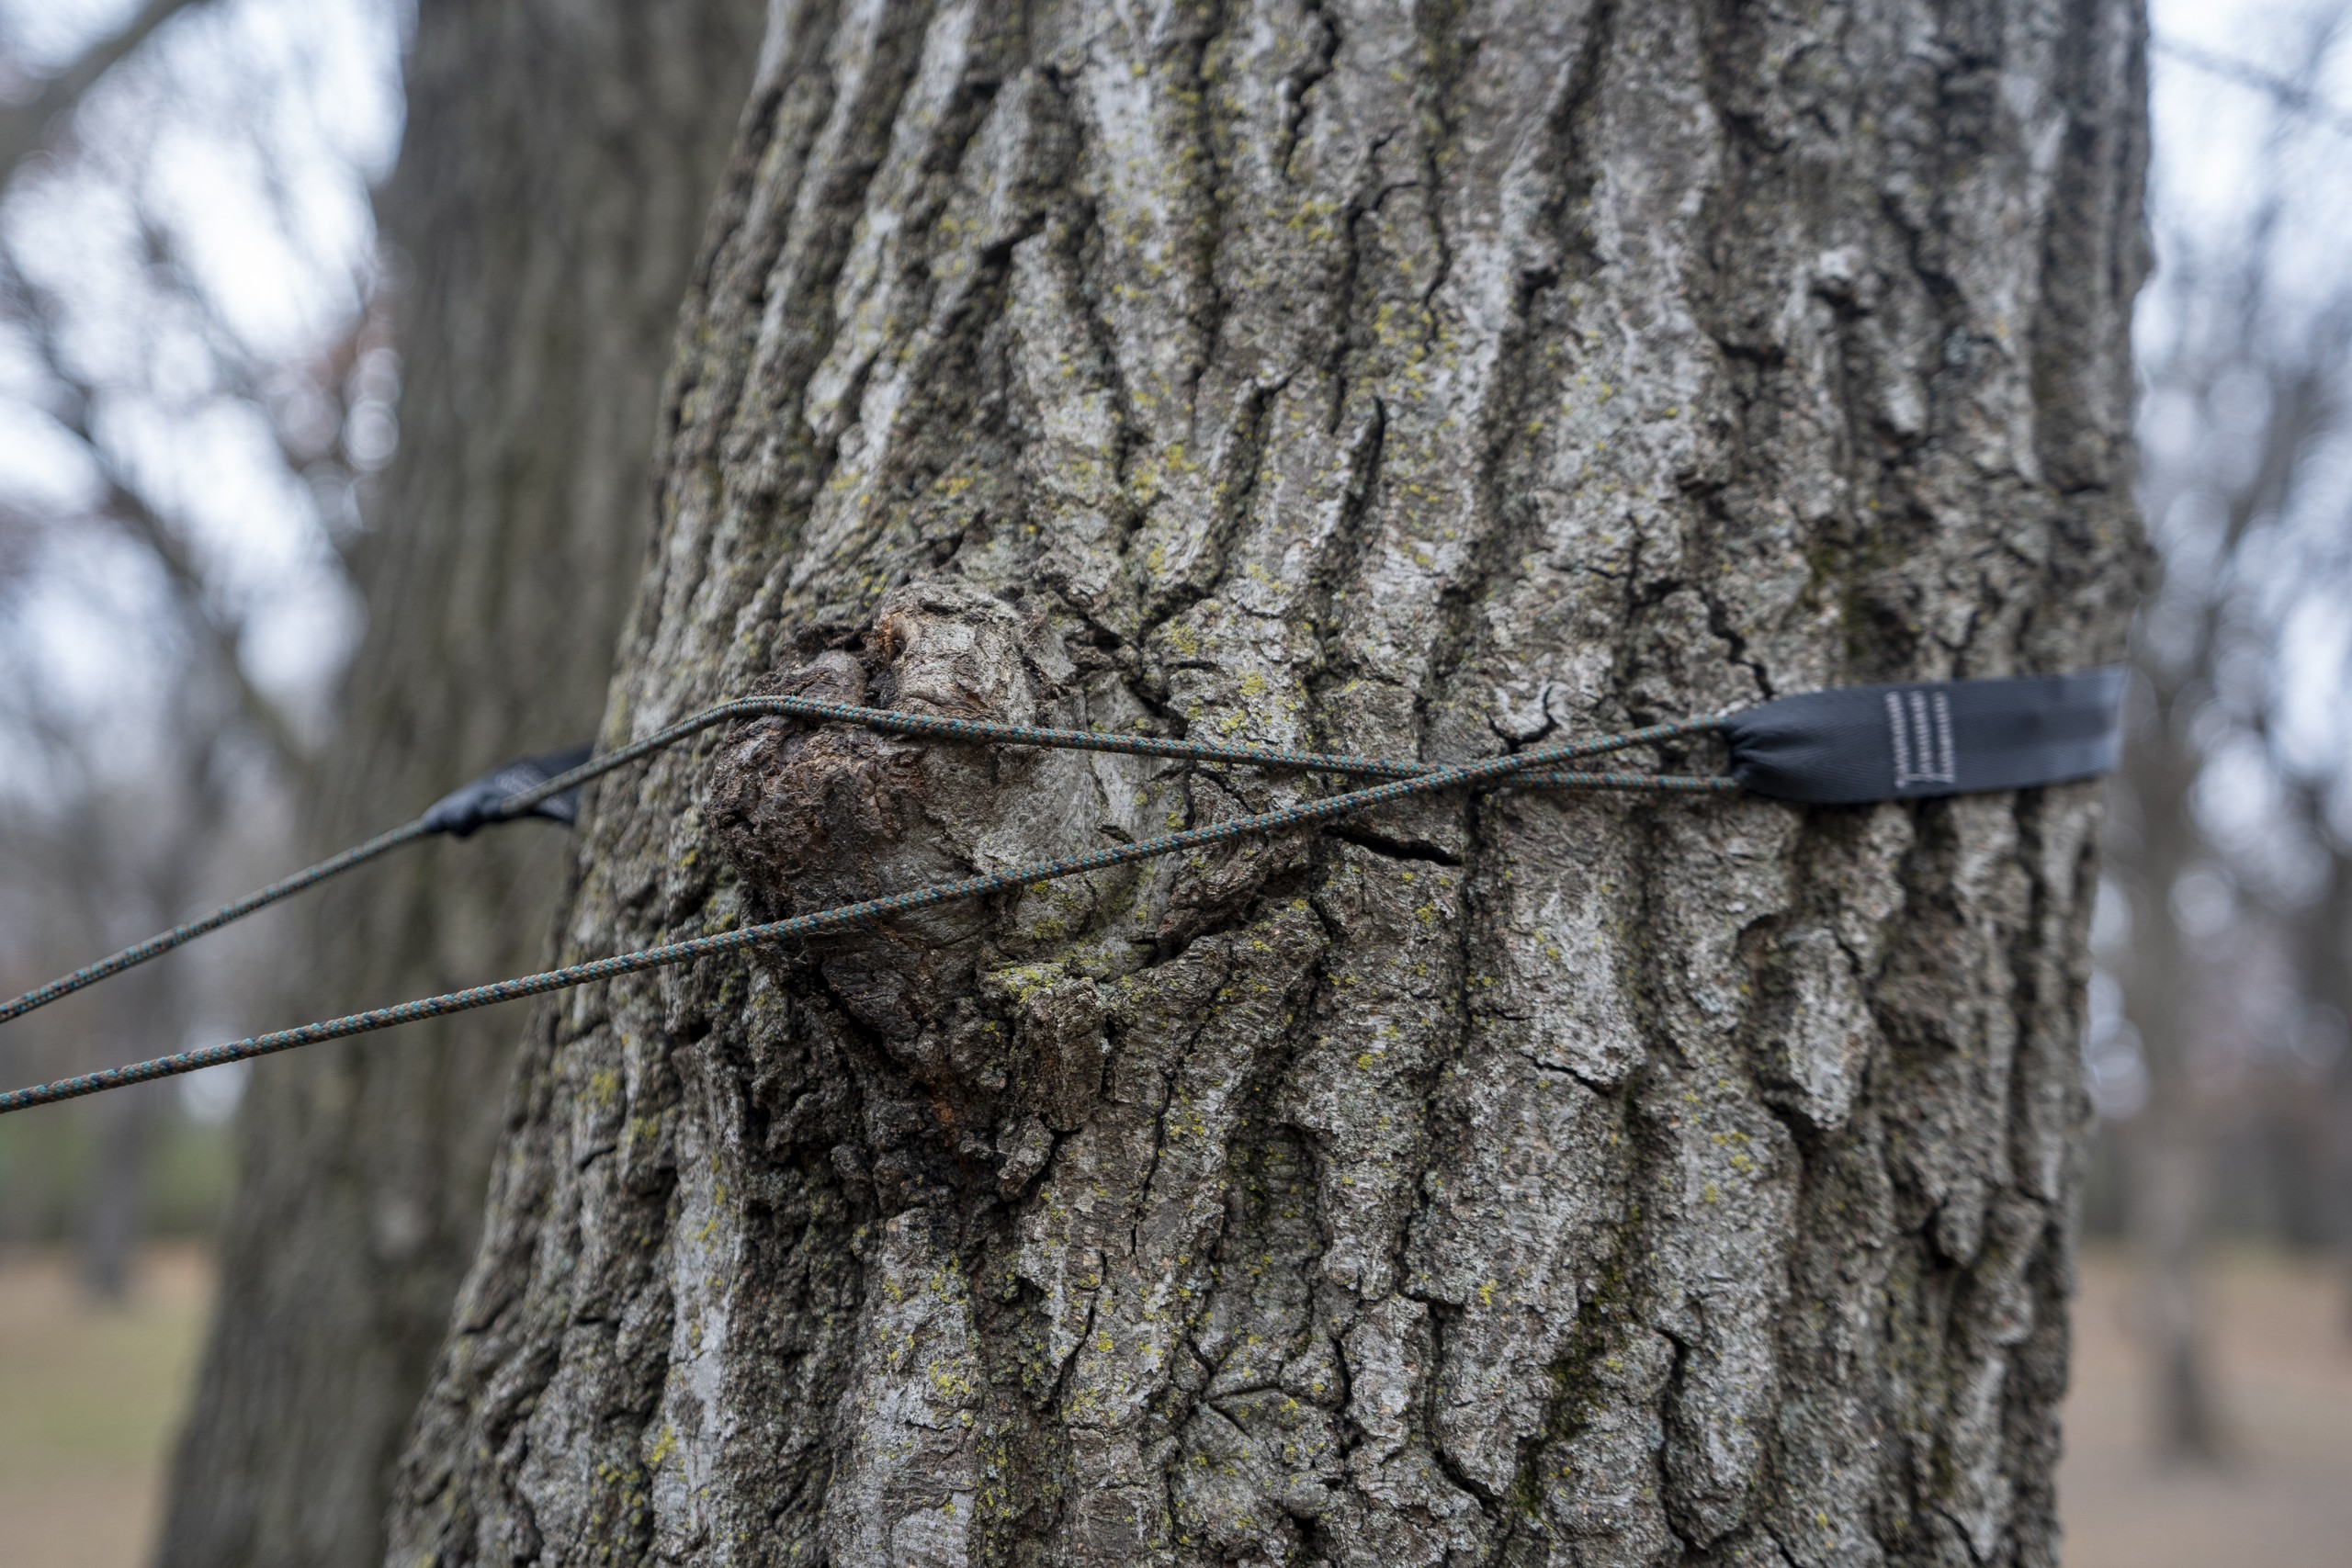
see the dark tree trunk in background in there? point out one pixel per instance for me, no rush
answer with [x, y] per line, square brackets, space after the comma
[2324, 935]
[112, 1211]
[1532, 1179]
[2247, 462]
[2167, 995]
[143, 1012]
[552, 189]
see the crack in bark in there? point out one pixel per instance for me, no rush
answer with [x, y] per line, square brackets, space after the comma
[1236, 484]
[1303, 81]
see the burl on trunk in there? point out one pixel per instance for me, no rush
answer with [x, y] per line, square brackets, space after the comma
[1516, 1180]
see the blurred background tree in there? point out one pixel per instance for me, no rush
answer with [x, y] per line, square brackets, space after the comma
[194, 395]
[2217, 1051]
[557, 164]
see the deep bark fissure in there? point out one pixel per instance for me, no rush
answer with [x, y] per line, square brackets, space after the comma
[1302, 81]
[1239, 479]
[1207, 147]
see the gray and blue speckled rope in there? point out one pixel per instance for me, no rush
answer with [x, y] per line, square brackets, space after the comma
[156, 946]
[982, 731]
[1419, 779]
[941, 727]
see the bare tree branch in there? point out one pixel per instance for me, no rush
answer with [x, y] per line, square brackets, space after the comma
[221, 632]
[23, 126]
[216, 629]
[2298, 96]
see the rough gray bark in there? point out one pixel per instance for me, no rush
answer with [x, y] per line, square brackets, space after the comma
[1533, 1180]
[553, 186]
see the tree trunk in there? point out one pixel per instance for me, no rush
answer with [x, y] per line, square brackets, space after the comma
[2167, 994]
[111, 1211]
[553, 186]
[1530, 1178]
[150, 1005]
[2323, 941]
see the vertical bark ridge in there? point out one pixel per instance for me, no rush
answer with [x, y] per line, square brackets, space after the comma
[1531, 1180]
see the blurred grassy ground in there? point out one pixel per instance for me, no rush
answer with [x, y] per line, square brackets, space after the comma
[89, 1399]
[46, 1165]
[90, 1396]
[2284, 1365]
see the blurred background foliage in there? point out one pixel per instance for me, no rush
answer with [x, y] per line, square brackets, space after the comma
[194, 391]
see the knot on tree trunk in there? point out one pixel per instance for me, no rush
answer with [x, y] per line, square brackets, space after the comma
[816, 815]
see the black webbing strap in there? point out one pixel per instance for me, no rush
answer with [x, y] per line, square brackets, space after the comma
[476, 805]
[1929, 737]
[1845, 746]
